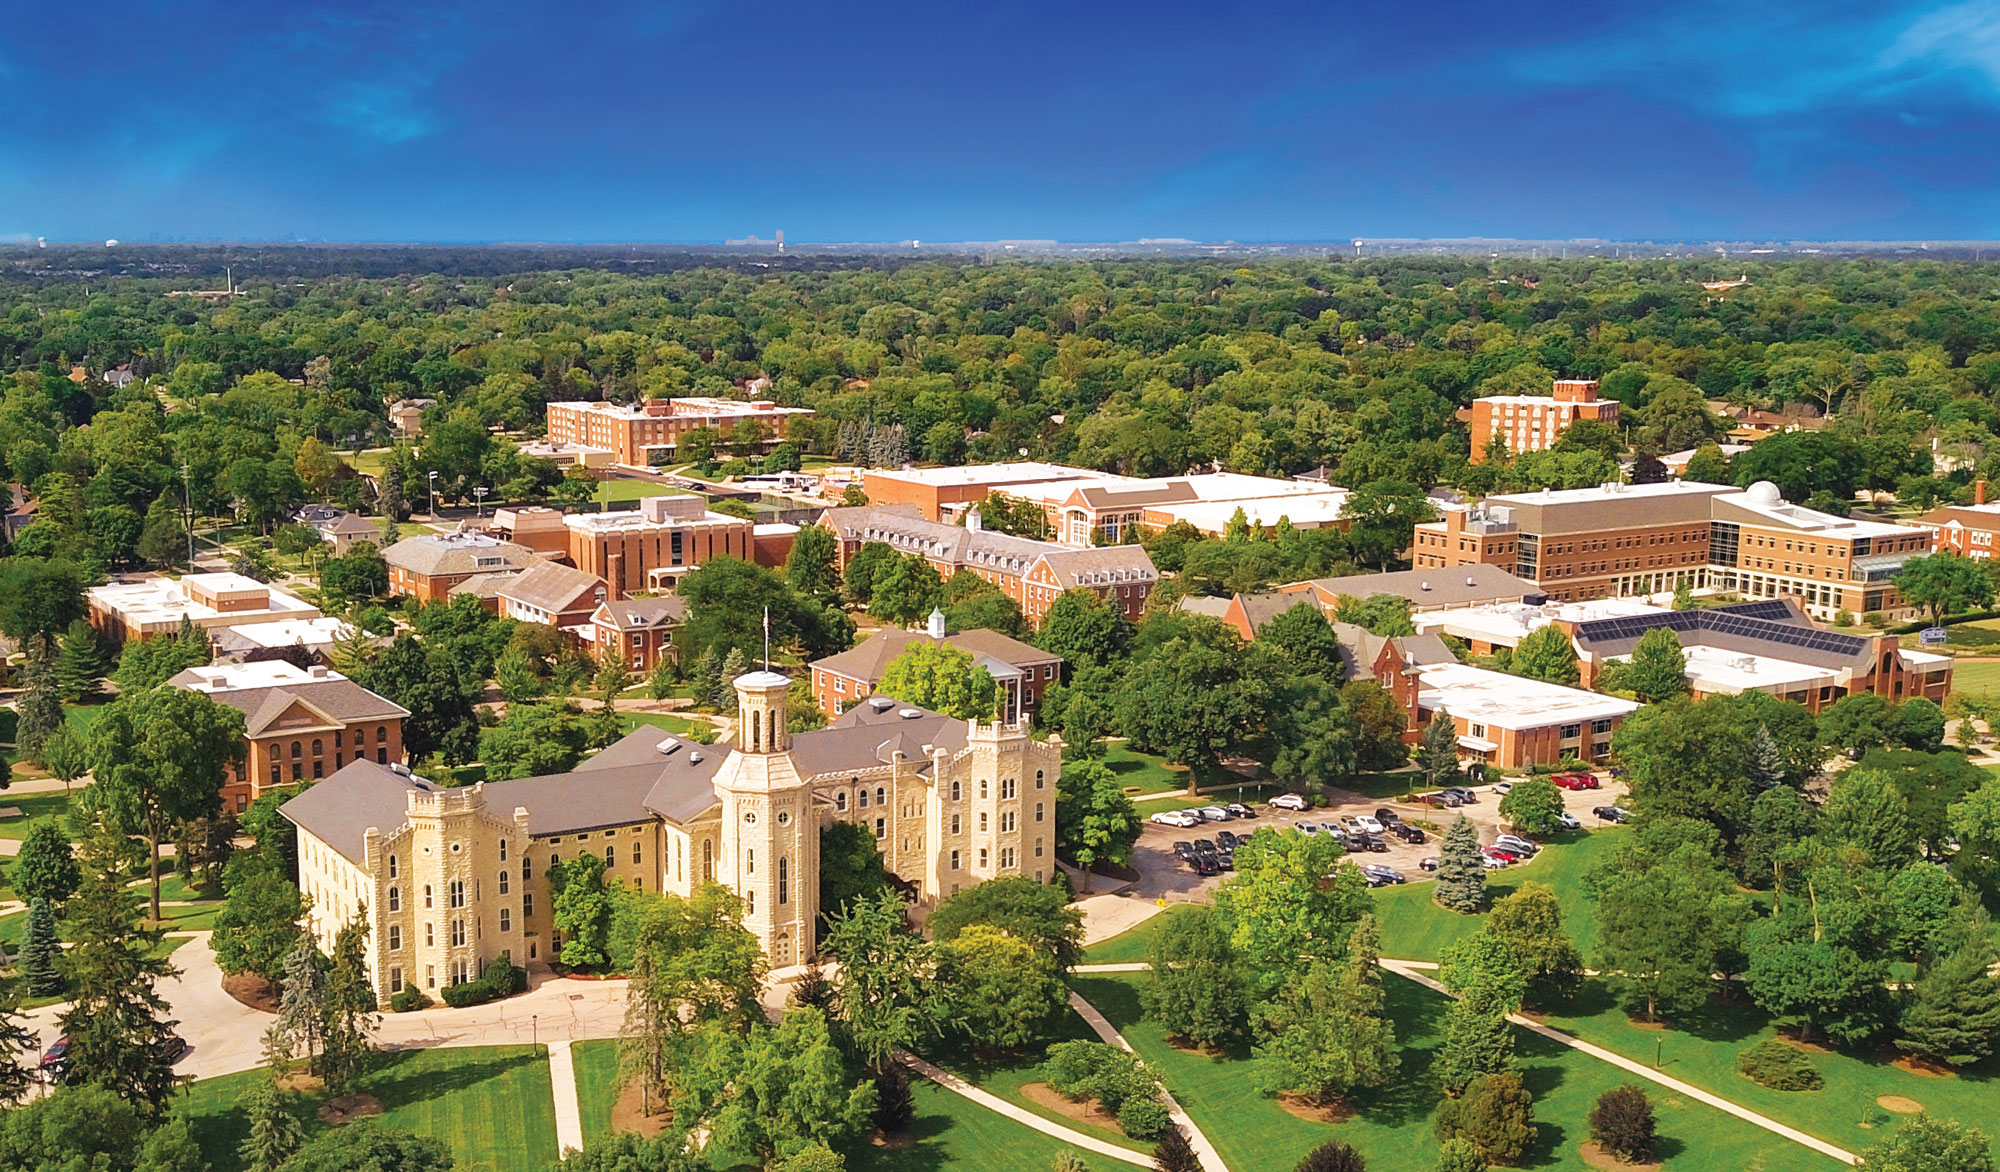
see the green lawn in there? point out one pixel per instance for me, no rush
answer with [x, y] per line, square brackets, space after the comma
[1005, 1076]
[1979, 678]
[632, 490]
[1702, 1050]
[79, 717]
[1414, 927]
[1129, 946]
[1143, 773]
[1393, 1129]
[492, 1104]
[34, 808]
[596, 1086]
[952, 1132]
[1382, 785]
[678, 725]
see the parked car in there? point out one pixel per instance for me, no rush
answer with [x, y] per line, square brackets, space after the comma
[1228, 840]
[173, 1048]
[1503, 788]
[1180, 818]
[1366, 842]
[1213, 814]
[54, 1067]
[1226, 860]
[1576, 781]
[1361, 823]
[1446, 798]
[1290, 802]
[1387, 817]
[1517, 844]
[1383, 874]
[1611, 813]
[1408, 833]
[1205, 866]
[1493, 862]
[1429, 864]
[1239, 810]
[1306, 827]
[1501, 853]
[1565, 822]
[1465, 796]
[1183, 850]
[1204, 846]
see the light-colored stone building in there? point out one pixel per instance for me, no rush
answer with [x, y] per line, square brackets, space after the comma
[452, 878]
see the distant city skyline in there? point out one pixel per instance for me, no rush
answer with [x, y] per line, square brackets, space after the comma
[702, 122]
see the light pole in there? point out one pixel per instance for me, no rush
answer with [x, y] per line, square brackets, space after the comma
[433, 477]
[479, 500]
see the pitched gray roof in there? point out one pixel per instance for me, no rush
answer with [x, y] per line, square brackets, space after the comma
[437, 554]
[905, 531]
[553, 588]
[1456, 586]
[869, 660]
[636, 614]
[1262, 608]
[340, 698]
[1360, 647]
[360, 794]
[1108, 565]
[869, 735]
[1202, 604]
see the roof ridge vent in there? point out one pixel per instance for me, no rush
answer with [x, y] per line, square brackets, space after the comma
[669, 746]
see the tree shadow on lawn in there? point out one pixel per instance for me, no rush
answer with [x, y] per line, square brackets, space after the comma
[391, 1080]
[921, 1150]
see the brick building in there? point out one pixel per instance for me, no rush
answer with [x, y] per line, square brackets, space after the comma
[1032, 573]
[427, 566]
[1623, 539]
[940, 493]
[558, 596]
[656, 544]
[1023, 672]
[155, 606]
[1533, 423]
[301, 724]
[650, 433]
[639, 631]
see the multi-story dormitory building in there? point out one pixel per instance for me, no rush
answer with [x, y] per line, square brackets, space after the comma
[1032, 573]
[1620, 539]
[452, 878]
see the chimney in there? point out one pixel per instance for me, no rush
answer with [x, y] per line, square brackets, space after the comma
[614, 573]
[1979, 491]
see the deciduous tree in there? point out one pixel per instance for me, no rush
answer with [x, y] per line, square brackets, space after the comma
[1529, 923]
[1096, 821]
[1327, 1032]
[1533, 806]
[1657, 671]
[943, 679]
[1546, 654]
[1195, 987]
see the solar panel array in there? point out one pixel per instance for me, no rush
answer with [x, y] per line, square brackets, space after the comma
[1739, 621]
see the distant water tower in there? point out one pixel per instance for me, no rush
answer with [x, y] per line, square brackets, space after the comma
[781, 240]
[1357, 248]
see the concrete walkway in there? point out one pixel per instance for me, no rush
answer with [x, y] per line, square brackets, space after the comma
[1210, 1158]
[569, 1113]
[1402, 969]
[1130, 966]
[1025, 1118]
[1105, 916]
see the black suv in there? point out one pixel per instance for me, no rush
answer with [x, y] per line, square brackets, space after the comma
[1366, 842]
[1387, 817]
[1184, 851]
[1228, 840]
[1407, 833]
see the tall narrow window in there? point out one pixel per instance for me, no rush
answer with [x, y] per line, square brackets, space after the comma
[784, 881]
[458, 893]
[708, 860]
[504, 878]
[427, 895]
[750, 862]
[395, 899]
[503, 850]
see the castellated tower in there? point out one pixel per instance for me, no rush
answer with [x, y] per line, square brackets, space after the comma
[770, 833]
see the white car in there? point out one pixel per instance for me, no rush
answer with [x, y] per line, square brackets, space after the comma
[1565, 822]
[1179, 818]
[1503, 788]
[1361, 824]
[1290, 802]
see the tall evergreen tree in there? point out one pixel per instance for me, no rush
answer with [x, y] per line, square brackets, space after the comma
[353, 650]
[733, 666]
[17, 1041]
[1461, 871]
[350, 1008]
[80, 668]
[1766, 765]
[40, 703]
[707, 674]
[115, 1026]
[1437, 754]
[301, 1023]
[41, 951]
[1173, 1152]
[1953, 1014]
[275, 1132]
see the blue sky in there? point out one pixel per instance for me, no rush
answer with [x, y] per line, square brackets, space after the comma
[613, 121]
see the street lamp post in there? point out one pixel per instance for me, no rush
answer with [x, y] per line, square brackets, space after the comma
[479, 500]
[433, 476]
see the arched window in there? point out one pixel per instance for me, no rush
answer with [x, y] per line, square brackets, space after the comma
[392, 866]
[381, 734]
[458, 893]
[295, 750]
[611, 855]
[784, 881]
[881, 796]
[395, 899]
[954, 789]
[503, 850]
[527, 872]
[503, 881]
[1038, 779]
[982, 787]
[861, 798]
[840, 800]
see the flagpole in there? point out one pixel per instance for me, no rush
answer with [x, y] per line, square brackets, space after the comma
[767, 638]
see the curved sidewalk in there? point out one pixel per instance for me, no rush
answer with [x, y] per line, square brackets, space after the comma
[1406, 969]
[1210, 1158]
[991, 1102]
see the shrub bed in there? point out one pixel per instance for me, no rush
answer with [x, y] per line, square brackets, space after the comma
[1771, 1063]
[1120, 1083]
[500, 979]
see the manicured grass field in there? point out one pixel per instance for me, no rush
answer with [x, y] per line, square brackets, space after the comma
[631, 490]
[492, 1104]
[678, 725]
[1005, 1076]
[34, 808]
[1143, 773]
[1702, 1049]
[596, 1086]
[952, 1132]
[1129, 946]
[1414, 927]
[1981, 677]
[1393, 1128]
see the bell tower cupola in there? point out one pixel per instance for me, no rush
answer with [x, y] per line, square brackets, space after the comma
[760, 712]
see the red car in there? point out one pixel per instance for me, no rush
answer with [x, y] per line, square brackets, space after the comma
[1575, 781]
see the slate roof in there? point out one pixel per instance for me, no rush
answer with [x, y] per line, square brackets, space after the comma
[639, 614]
[360, 794]
[553, 588]
[1433, 588]
[433, 555]
[900, 528]
[1107, 565]
[1359, 648]
[872, 658]
[337, 697]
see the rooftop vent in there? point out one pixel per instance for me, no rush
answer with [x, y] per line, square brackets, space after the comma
[881, 703]
[910, 713]
[694, 758]
[1423, 585]
[1471, 581]
[668, 746]
[400, 768]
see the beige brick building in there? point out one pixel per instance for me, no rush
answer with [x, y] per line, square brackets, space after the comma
[452, 878]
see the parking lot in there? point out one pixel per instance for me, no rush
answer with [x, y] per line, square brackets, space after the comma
[1161, 874]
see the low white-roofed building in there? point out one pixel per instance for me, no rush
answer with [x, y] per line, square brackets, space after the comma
[257, 641]
[1504, 624]
[1515, 722]
[156, 606]
[1712, 670]
[1311, 510]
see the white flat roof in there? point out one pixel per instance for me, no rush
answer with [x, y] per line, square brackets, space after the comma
[1516, 702]
[1309, 510]
[1610, 492]
[285, 632]
[265, 673]
[990, 474]
[1055, 492]
[1711, 669]
[629, 519]
[1235, 486]
[1506, 624]
[1762, 499]
[152, 601]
